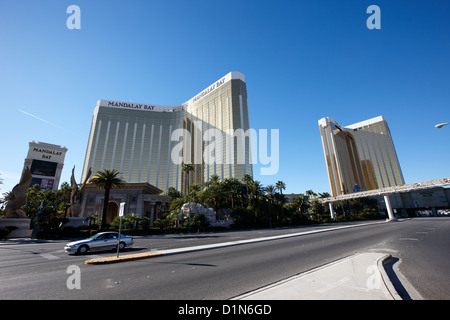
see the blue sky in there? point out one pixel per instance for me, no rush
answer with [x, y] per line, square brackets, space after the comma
[303, 60]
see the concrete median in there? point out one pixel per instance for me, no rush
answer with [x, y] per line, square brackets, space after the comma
[122, 258]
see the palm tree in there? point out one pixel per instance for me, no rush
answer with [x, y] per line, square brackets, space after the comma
[232, 188]
[270, 194]
[247, 178]
[187, 167]
[310, 194]
[214, 179]
[325, 195]
[193, 190]
[256, 189]
[299, 203]
[65, 191]
[107, 179]
[214, 189]
[280, 185]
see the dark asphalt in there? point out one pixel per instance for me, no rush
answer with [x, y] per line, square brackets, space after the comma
[32, 270]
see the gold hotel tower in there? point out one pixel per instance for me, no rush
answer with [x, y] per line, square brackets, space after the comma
[359, 157]
[137, 139]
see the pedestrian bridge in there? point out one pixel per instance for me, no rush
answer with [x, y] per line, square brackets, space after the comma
[386, 192]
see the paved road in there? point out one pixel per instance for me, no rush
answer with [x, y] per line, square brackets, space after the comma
[31, 270]
[423, 248]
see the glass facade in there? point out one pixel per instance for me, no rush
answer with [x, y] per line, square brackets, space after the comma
[142, 142]
[359, 157]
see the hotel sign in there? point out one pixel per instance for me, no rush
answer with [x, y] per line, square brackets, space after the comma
[151, 107]
[128, 105]
[209, 90]
[138, 106]
[46, 154]
[217, 84]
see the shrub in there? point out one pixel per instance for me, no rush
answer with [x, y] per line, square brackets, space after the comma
[368, 214]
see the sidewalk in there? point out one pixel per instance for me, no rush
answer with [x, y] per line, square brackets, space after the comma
[358, 277]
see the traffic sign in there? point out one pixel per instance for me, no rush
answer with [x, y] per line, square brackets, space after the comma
[121, 209]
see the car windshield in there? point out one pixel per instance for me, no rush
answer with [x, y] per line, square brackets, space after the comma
[93, 237]
[99, 236]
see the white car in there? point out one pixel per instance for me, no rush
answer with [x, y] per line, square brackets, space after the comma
[100, 241]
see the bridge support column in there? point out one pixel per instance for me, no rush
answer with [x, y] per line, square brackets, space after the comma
[389, 208]
[333, 214]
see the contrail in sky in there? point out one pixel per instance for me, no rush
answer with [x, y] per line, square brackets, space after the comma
[43, 120]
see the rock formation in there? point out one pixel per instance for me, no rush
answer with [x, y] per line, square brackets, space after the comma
[18, 196]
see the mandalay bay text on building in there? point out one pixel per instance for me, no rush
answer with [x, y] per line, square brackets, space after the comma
[149, 143]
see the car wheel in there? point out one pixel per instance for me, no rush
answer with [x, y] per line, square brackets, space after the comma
[83, 249]
[121, 246]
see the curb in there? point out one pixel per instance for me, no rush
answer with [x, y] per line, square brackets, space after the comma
[399, 287]
[333, 280]
[384, 276]
[127, 257]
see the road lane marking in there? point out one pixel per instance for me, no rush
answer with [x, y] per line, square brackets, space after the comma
[384, 249]
[257, 240]
[49, 256]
